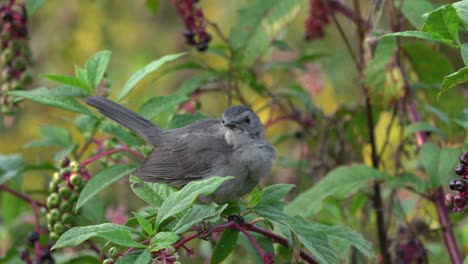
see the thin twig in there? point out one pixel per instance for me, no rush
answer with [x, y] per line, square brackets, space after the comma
[22, 196]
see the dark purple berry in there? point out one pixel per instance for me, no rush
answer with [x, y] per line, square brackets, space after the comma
[459, 201]
[189, 33]
[464, 159]
[33, 237]
[452, 184]
[202, 46]
[460, 185]
[460, 169]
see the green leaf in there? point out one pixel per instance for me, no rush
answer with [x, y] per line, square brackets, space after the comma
[422, 35]
[348, 236]
[444, 22]
[226, 244]
[160, 104]
[376, 68]
[70, 80]
[152, 193]
[271, 194]
[464, 53]
[117, 130]
[102, 180]
[408, 180]
[340, 183]
[144, 223]
[144, 258]
[81, 74]
[181, 120]
[195, 215]
[258, 25]
[96, 67]
[11, 166]
[52, 136]
[163, 240]
[315, 240]
[439, 113]
[45, 96]
[430, 65]
[422, 127]
[33, 5]
[184, 198]
[462, 11]
[130, 258]
[414, 11]
[438, 163]
[454, 79]
[153, 6]
[194, 83]
[462, 119]
[145, 71]
[118, 234]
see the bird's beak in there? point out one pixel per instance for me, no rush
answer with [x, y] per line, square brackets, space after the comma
[229, 124]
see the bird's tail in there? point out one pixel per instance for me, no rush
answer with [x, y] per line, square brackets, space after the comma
[124, 116]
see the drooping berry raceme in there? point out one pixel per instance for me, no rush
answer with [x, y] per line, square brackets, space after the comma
[64, 190]
[195, 25]
[459, 201]
[15, 57]
[319, 17]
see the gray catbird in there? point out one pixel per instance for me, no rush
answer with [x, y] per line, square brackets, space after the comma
[232, 146]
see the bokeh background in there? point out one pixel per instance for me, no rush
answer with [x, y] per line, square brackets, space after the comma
[64, 33]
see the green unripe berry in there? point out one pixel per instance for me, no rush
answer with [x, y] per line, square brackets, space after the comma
[76, 179]
[67, 218]
[66, 206]
[108, 144]
[50, 227]
[53, 200]
[65, 192]
[7, 56]
[73, 198]
[6, 75]
[64, 162]
[57, 178]
[19, 64]
[25, 78]
[59, 228]
[65, 171]
[116, 156]
[108, 261]
[50, 220]
[54, 236]
[52, 187]
[75, 166]
[6, 87]
[113, 252]
[54, 214]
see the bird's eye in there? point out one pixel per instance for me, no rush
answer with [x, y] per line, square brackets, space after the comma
[247, 120]
[223, 121]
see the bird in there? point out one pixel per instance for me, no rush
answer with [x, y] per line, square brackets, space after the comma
[233, 145]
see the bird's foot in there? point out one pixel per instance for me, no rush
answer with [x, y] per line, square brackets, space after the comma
[238, 219]
[206, 229]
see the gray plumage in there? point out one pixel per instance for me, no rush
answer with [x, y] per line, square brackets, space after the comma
[231, 146]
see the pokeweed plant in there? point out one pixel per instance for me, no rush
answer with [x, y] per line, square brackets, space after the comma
[353, 175]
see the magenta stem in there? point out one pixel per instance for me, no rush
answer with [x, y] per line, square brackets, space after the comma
[109, 152]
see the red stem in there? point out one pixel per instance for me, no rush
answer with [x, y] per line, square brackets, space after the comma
[109, 152]
[22, 196]
[438, 195]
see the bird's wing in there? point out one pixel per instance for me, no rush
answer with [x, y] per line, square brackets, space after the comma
[186, 154]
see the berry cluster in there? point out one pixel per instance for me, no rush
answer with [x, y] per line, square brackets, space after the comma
[318, 18]
[113, 255]
[459, 201]
[195, 26]
[65, 189]
[15, 54]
